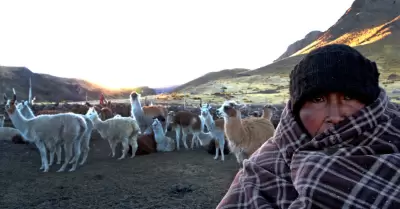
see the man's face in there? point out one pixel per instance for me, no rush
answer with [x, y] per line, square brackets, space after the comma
[324, 111]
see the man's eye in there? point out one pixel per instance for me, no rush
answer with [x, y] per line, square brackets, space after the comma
[347, 97]
[317, 99]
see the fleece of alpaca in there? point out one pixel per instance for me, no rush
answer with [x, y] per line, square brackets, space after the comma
[248, 134]
[50, 131]
[8, 133]
[164, 143]
[85, 142]
[123, 130]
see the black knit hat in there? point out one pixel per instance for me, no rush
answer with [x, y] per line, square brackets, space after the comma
[334, 68]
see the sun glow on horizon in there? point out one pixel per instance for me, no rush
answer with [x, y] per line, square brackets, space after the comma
[124, 44]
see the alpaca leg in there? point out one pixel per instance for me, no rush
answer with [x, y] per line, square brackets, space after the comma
[68, 153]
[52, 153]
[177, 134]
[196, 140]
[43, 156]
[216, 152]
[77, 153]
[73, 159]
[125, 145]
[184, 137]
[86, 149]
[193, 141]
[58, 153]
[113, 145]
[134, 147]
[221, 148]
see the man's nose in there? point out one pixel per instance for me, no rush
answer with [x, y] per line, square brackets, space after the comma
[334, 114]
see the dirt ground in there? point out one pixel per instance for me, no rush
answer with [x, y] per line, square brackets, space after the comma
[181, 179]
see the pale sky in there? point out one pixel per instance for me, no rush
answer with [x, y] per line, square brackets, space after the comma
[154, 42]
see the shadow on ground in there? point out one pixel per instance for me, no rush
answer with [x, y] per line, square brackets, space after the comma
[184, 179]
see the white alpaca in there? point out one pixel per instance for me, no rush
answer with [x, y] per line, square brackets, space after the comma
[50, 131]
[245, 136]
[85, 143]
[164, 143]
[216, 128]
[188, 122]
[144, 115]
[115, 130]
[7, 133]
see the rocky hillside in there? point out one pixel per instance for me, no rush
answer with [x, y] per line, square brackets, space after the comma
[51, 88]
[371, 26]
[300, 44]
[365, 22]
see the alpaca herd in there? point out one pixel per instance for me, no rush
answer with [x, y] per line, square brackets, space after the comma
[51, 132]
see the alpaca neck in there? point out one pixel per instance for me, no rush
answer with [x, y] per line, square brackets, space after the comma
[27, 112]
[209, 122]
[99, 124]
[20, 122]
[267, 114]
[234, 129]
[136, 107]
[159, 134]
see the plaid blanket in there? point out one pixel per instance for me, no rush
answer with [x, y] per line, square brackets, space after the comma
[355, 164]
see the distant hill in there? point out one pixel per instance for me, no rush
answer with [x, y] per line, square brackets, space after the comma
[51, 88]
[371, 26]
[213, 76]
[167, 89]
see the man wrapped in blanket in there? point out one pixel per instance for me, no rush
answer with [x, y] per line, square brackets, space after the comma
[336, 146]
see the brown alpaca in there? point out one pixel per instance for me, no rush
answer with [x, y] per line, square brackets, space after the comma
[245, 136]
[188, 122]
[146, 145]
[106, 113]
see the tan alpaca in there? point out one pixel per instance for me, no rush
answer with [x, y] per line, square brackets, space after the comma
[154, 111]
[245, 136]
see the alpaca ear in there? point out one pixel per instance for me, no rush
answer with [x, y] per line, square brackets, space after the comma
[14, 95]
[5, 97]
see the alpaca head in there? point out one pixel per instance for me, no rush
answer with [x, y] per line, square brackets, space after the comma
[230, 109]
[268, 110]
[156, 124]
[92, 113]
[134, 97]
[22, 106]
[7, 100]
[205, 109]
[11, 104]
[169, 121]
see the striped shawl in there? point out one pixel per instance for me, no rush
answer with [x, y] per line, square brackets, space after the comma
[355, 164]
